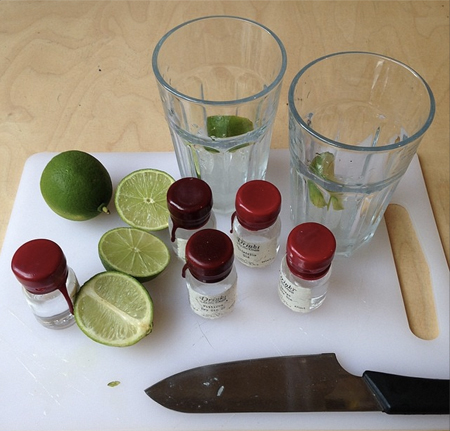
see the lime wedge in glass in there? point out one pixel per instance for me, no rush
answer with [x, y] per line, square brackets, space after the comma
[113, 308]
[134, 252]
[140, 199]
[227, 126]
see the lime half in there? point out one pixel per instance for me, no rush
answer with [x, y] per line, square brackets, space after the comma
[141, 199]
[113, 308]
[134, 252]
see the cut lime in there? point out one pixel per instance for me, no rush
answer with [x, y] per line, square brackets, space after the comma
[141, 199]
[113, 308]
[134, 252]
[227, 126]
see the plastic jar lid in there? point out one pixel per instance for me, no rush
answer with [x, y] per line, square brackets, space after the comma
[209, 256]
[257, 204]
[40, 266]
[190, 202]
[310, 250]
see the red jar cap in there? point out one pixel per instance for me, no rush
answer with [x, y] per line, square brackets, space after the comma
[258, 204]
[209, 255]
[40, 266]
[189, 201]
[310, 250]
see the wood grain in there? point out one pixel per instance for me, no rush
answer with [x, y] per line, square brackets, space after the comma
[413, 273]
[78, 74]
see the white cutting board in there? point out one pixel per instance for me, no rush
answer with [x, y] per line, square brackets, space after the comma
[58, 380]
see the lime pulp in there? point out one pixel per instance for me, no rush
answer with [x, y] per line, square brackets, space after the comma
[134, 252]
[113, 308]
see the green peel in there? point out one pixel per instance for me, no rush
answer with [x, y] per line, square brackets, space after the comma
[323, 166]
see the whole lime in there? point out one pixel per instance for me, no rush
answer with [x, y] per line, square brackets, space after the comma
[76, 185]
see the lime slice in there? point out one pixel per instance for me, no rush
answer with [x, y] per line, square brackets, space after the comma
[134, 252]
[141, 199]
[113, 308]
[227, 126]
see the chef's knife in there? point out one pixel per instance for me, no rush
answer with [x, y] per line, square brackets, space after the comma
[311, 383]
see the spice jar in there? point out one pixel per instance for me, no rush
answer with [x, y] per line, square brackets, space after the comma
[306, 267]
[189, 201]
[210, 273]
[49, 285]
[256, 224]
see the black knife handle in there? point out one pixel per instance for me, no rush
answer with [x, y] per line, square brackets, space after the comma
[409, 395]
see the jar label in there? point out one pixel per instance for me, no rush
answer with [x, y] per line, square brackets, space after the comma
[295, 297]
[213, 306]
[255, 254]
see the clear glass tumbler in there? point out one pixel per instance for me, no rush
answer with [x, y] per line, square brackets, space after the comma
[355, 122]
[219, 79]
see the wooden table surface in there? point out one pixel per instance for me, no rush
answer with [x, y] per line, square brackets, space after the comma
[77, 75]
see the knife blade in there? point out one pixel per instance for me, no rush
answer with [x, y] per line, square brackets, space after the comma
[308, 383]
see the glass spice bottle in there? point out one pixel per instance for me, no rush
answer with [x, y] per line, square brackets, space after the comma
[189, 201]
[49, 285]
[210, 273]
[256, 224]
[306, 267]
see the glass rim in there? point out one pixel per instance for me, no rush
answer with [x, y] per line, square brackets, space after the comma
[188, 98]
[358, 148]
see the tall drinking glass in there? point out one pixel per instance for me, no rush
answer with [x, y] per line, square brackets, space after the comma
[355, 121]
[219, 79]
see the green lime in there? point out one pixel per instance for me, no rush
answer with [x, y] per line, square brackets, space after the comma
[115, 309]
[76, 186]
[141, 199]
[134, 252]
[227, 126]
